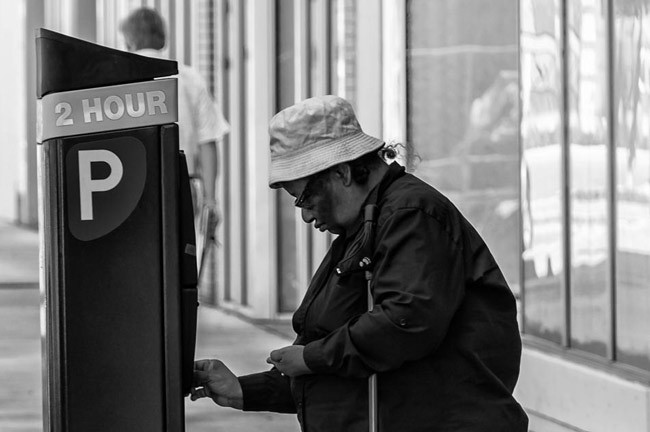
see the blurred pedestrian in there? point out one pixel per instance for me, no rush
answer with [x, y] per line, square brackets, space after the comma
[201, 122]
[442, 336]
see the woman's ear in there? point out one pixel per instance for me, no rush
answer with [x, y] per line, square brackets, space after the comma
[343, 171]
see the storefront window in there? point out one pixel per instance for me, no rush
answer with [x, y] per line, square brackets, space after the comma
[587, 92]
[344, 38]
[319, 47]
[463, 113]
[541, 168]
[632, 125]
[288, 279]
[586, 305]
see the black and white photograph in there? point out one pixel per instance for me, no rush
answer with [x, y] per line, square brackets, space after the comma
[325, 216]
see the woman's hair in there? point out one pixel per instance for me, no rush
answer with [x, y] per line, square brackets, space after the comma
[144, 28]
[362, 165]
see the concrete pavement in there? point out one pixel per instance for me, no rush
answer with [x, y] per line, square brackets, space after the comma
[20, 361]
[240, 344]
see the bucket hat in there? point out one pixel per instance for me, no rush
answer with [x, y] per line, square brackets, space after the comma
[314, 135]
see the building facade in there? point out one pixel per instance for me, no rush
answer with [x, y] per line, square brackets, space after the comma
[528, 114]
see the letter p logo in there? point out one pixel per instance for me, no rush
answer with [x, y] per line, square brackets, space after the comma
[105, 179]
[88, 185]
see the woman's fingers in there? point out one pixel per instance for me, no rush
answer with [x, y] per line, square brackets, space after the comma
[198, 393]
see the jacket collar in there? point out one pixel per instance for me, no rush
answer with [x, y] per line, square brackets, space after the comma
[394, 172]
[358, 255]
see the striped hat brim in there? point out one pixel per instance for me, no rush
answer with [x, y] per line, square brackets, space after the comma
[311, 160]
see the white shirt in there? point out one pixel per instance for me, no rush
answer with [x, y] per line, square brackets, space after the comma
[200, 119]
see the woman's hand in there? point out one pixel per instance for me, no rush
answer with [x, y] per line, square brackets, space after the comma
[214, 380]
[289, 360]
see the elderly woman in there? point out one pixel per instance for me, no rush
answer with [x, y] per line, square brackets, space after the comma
[441, 336]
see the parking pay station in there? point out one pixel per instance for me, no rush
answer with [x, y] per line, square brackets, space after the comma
[119, 280]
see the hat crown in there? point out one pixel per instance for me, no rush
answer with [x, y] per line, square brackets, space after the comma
[314, 135]
[310, 123]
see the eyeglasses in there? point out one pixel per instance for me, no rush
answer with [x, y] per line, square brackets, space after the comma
[306, 192]
[313, 182]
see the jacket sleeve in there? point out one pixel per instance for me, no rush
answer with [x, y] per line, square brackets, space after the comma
[267, 391]
[418, 284]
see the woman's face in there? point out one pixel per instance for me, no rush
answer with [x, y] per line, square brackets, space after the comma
[320, 201]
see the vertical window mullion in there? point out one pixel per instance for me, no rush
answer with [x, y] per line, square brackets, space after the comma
[611, 178]
[243, 94]
[521, 315]
[302, 91]
[566, 190]
[224, 94]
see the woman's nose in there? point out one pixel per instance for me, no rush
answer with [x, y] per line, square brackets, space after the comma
[307, 215]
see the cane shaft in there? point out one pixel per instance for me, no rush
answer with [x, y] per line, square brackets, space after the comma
[372, 381]
[370, 217]
[372, 392]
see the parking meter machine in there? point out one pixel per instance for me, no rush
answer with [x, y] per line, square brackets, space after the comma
[119, 278]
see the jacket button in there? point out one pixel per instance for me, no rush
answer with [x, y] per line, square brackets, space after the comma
[338, 270]
[402, 322]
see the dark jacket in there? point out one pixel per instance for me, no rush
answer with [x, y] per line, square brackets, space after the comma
[443, 335]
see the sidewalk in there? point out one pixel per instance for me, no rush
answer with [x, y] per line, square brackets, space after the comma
[18, 256]
[241, 345]
[20, 346]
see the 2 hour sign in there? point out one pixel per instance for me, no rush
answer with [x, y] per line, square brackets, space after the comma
[107, 108]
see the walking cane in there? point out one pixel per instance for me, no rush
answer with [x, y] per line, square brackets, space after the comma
[370, 215]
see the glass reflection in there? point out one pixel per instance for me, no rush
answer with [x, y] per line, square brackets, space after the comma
[463, 113]
[541, 167]
[588, 136]
[632, 103]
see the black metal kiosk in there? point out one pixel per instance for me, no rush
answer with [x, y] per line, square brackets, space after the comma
[118, 257]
